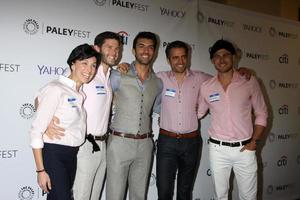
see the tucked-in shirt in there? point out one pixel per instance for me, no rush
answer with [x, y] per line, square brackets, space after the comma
[98, 102]
[59, 98]
[231, 110]
[179, 103]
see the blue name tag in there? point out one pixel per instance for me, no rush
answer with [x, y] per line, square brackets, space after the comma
[214, 97]
[170, 92]
[100, 89]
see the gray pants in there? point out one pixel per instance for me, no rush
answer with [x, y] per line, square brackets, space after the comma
[90, 172]
[128, 159]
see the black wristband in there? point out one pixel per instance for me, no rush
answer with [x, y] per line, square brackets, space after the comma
[39, 171]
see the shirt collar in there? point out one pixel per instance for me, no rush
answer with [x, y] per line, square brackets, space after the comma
[133, 69]
[67, 81]
[188, 73]
[236, 77]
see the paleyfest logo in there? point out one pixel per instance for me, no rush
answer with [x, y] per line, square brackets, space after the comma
[27, 110]
[31, 26]
[100, 2]
[26, 193]
[200, 17]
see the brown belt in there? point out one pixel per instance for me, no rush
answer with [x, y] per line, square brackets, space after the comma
[132, 136]
[101, 138]
[192, 134]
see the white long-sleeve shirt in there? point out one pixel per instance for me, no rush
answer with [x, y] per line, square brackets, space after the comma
[59, 98]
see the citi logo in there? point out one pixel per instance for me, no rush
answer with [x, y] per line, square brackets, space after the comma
[172, 13]
[124, 35]
[256, 29]
[220, 22]
[257, 56]
[283, 110]
[282, 162]
[284, 59]
[31, 26]
[50, 70]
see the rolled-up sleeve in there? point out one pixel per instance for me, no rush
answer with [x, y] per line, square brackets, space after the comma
[259, 105]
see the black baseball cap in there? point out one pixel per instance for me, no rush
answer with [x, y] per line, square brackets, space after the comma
[221, 44]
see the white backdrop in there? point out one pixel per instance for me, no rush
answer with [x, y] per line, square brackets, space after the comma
[37, 36]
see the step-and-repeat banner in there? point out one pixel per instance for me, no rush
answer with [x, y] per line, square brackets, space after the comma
[37, 36]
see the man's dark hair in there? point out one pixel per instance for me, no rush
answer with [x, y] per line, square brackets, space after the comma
[82, 52]
[145, 35]
[221, 44]
[100, 38]
[176, 44]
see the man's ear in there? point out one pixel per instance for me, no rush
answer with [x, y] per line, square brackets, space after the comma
[97, 48]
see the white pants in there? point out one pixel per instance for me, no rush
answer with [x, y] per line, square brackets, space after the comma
[244, 164]
[90, 172]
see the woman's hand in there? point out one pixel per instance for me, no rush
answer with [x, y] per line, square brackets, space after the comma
[44, 181]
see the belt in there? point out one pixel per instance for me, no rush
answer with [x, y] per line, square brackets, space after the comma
[192, 134]
[101, 138]
[230, 144]
[132, 136]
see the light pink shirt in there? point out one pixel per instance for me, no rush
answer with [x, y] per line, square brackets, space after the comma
[231, 110]
[98, 102]
[59, 98]
[179, 104]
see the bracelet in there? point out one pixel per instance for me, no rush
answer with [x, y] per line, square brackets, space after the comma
[41, 170]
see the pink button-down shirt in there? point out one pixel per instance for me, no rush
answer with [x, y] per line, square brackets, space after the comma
[179, 103]
[231, 110]
[98, 102]
[59, 98]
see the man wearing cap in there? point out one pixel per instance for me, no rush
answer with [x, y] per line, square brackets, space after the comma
[233, 140]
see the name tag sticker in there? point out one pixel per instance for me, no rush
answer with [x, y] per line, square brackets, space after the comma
[214, 97]
[100, 89]
[170, 92]
[72, 102]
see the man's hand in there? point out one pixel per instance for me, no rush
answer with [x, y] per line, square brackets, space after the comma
[245, 72]
[123, 68]
[44, 181]
[251, 146]
[53, 130]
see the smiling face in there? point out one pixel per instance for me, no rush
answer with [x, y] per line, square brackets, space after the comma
[84, 70]
[178, 60]
[144, 51]
[109, 52]
[223, 61]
